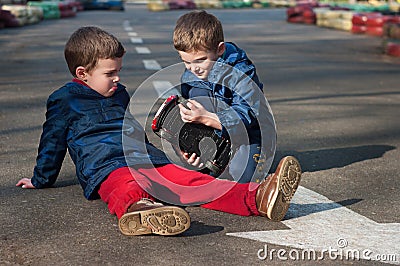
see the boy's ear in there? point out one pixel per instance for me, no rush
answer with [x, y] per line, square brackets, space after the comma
[221, 49]
[80, 72]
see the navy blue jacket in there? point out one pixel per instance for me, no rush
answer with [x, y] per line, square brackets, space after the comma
[99, 133]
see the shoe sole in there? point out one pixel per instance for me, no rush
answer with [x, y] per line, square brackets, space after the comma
[167, 220]
[289, 174]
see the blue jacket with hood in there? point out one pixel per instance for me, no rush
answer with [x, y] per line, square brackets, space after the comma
[234, 93]
[99, 133]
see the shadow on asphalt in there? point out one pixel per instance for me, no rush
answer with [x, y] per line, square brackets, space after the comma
[329, 96]
[66, 183]
[199, 228]
[318, 160]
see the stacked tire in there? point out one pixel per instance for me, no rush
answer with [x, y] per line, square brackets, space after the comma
[372, 23]
[375, 25]
[181, 4]
[336, 19]
[301, 14]
[35, 15]
[157, 5]
[235, 4]
[20, 15]
[50, 9]
[7, 19]
[204, 4]
[359, 22]
[391, 39]
[282, 3]
[67, 9]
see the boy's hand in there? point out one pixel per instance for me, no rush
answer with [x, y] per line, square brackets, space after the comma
[25, 183]
[194, 114]
[198, 114]
[193, 160]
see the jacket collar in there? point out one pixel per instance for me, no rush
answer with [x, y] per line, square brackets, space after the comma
[80, 82]
[80, 87]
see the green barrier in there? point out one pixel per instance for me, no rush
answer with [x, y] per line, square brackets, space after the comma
[362, 7]
[236, 4]
[50, 9]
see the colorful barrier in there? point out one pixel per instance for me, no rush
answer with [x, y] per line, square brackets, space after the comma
[181, 4]
[375, 20]
[7, 19]
[334, 18]
[157, 5]
[372, 23]
[301, 14]
[161, 5]
[392, 47]
[50, 9]
[20, 15]
[17, 15]
[391, 38]
[206, 4]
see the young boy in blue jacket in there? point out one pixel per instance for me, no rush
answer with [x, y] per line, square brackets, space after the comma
[89, 117]
[226, 94]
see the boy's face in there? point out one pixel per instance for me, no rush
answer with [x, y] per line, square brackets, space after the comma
[105, 76]
[200, 63]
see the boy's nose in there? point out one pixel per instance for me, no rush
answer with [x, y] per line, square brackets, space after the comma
[193, 68]
[116, 79]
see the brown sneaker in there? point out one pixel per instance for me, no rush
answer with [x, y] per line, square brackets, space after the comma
[276, 191]
[147, 216]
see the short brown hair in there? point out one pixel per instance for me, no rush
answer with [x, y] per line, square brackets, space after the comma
[89, 44]
[198, 31]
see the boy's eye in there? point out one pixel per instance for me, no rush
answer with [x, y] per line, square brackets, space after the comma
[113, 73]
[197, 61]
[110, 74]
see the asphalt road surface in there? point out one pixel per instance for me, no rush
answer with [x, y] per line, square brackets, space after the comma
[335, 97]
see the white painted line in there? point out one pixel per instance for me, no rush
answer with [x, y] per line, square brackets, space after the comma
[319, 224]
[128, 28]
[165, 88]
[136, 40]
[142, 50]
[151, 65]
[132, 34]
[126, 23]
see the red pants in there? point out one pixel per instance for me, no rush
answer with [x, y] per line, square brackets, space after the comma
[177, 186]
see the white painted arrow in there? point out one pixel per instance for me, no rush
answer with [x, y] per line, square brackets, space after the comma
[319, 224]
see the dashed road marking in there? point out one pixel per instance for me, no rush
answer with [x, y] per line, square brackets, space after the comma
[151, 65]
[126, 25]
[136, 40]
[142, 50]
[165, 88]
[319, 224]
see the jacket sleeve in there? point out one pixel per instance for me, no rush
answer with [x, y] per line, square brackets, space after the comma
[247, 96]
[52, 146]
